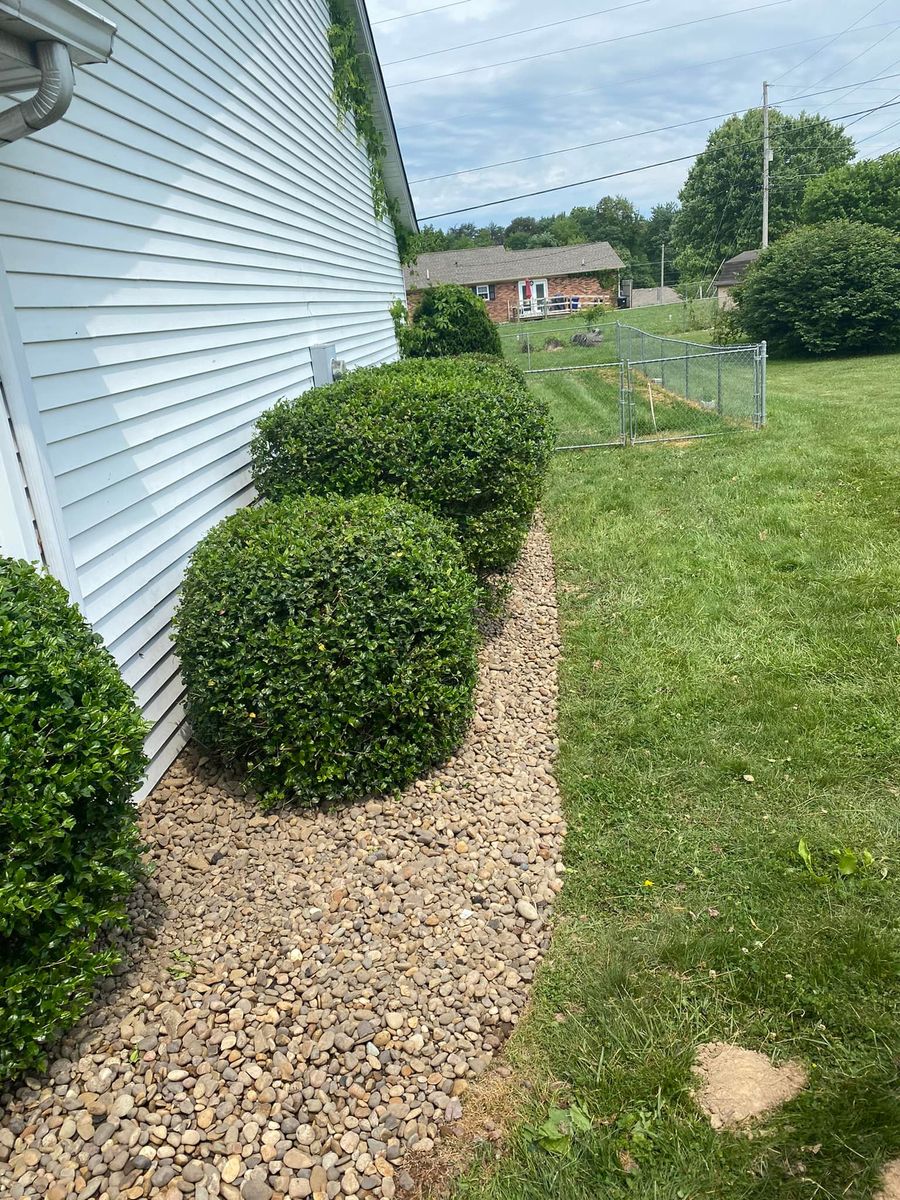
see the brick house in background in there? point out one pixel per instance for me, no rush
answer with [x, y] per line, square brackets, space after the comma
[521, 283]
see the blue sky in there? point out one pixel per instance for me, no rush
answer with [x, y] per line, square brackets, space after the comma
[596, 92]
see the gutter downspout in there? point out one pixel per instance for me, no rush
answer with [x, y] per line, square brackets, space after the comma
[49, 102]
[47, 105]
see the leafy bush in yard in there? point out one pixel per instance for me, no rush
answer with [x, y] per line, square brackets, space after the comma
[448, 320]
[727, 329]
[71, 755]
[463, 437]
[824, 289]
[329, 645]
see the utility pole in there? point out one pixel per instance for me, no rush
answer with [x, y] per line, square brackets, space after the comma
[767, 158]
[662, 267]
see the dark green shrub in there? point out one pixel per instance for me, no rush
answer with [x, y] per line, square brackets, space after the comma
[71, 756]
[825, 289]
[448, 320]
[727, 329]
[329, 645]
[461, 436]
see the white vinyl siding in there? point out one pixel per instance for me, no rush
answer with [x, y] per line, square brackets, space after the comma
[174, 246]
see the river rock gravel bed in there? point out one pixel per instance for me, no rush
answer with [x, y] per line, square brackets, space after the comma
[308, 994]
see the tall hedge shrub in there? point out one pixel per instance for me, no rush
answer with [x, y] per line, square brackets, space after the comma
[71, 756]
[328, 645]
[825, 289]
[463, 437]
[449, 320]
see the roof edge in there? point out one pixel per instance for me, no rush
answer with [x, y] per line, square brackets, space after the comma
[88, 35]
[395, 180]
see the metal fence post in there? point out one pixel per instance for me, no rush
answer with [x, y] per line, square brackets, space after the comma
[687, 394]
[763, 354]
[719, 384]
[528, 345]
[623, 422]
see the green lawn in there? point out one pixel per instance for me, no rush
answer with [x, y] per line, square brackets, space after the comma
[671, 320]
[731, 635]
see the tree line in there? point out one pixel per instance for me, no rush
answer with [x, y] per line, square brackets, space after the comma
[718, 212]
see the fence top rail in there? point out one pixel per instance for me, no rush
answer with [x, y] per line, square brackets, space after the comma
[718, 352]
[586, 366]
[664, 337]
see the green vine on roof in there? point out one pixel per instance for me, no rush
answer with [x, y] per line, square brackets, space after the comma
[353, 97]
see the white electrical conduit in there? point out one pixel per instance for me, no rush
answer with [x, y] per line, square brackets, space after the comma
[49, 102]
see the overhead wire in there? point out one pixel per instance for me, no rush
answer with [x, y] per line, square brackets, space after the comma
[611, 175]
[502, 37]
[878, 108]
[421, 11]
[629, 81]
[870, 136]
[561, 187]
[507, 162]
[830, 42]
[588, 45]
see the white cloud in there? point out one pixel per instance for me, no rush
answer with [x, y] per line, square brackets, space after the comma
[597, 92]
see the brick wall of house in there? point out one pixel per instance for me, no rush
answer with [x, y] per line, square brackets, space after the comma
[506, 295]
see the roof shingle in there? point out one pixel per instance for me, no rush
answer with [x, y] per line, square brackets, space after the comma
[494, 264]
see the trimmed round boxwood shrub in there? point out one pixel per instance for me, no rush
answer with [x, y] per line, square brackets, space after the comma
[71, 756]
[463, 437]
[825, 289]
[328, 645]
[449, 320]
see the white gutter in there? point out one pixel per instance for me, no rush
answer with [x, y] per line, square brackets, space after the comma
[88, 36]
[49, 102]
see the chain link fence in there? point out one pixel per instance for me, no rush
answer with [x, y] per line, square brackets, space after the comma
[657, 389]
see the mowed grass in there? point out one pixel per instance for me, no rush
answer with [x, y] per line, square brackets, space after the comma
[586, 410]
[671, 320]
[730, 685]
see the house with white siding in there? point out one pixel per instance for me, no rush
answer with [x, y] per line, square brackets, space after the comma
[187, 234]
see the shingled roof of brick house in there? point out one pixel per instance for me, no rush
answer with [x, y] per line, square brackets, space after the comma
[494, 264]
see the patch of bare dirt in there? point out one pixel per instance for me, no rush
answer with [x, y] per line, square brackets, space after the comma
[489, 1110]
[737, 1085]
[890, 1182]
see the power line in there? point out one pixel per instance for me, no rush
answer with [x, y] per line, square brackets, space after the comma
[508, 162]
[692, 69]
[419, 11]
[587, 45]
[851, 88]
[830, 42]
[844, 66]
[869, 137]
[887, 104]
[612, 175]
[501, 37]
[560, 187]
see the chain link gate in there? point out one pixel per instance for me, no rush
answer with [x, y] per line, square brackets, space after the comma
[661, 389]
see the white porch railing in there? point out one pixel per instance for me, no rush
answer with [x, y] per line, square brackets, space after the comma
[530, 310]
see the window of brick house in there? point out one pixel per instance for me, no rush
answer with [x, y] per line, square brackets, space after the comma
[486, 291]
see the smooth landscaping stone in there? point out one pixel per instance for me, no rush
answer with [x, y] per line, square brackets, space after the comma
[306, 991]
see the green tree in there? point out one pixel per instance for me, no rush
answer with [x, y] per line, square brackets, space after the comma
[565, 229]
[721, 201]
[866, 191]
[824, 289]
[429, 239]
[658, 233]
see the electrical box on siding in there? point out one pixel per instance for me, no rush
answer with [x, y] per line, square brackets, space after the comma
[322, 359]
